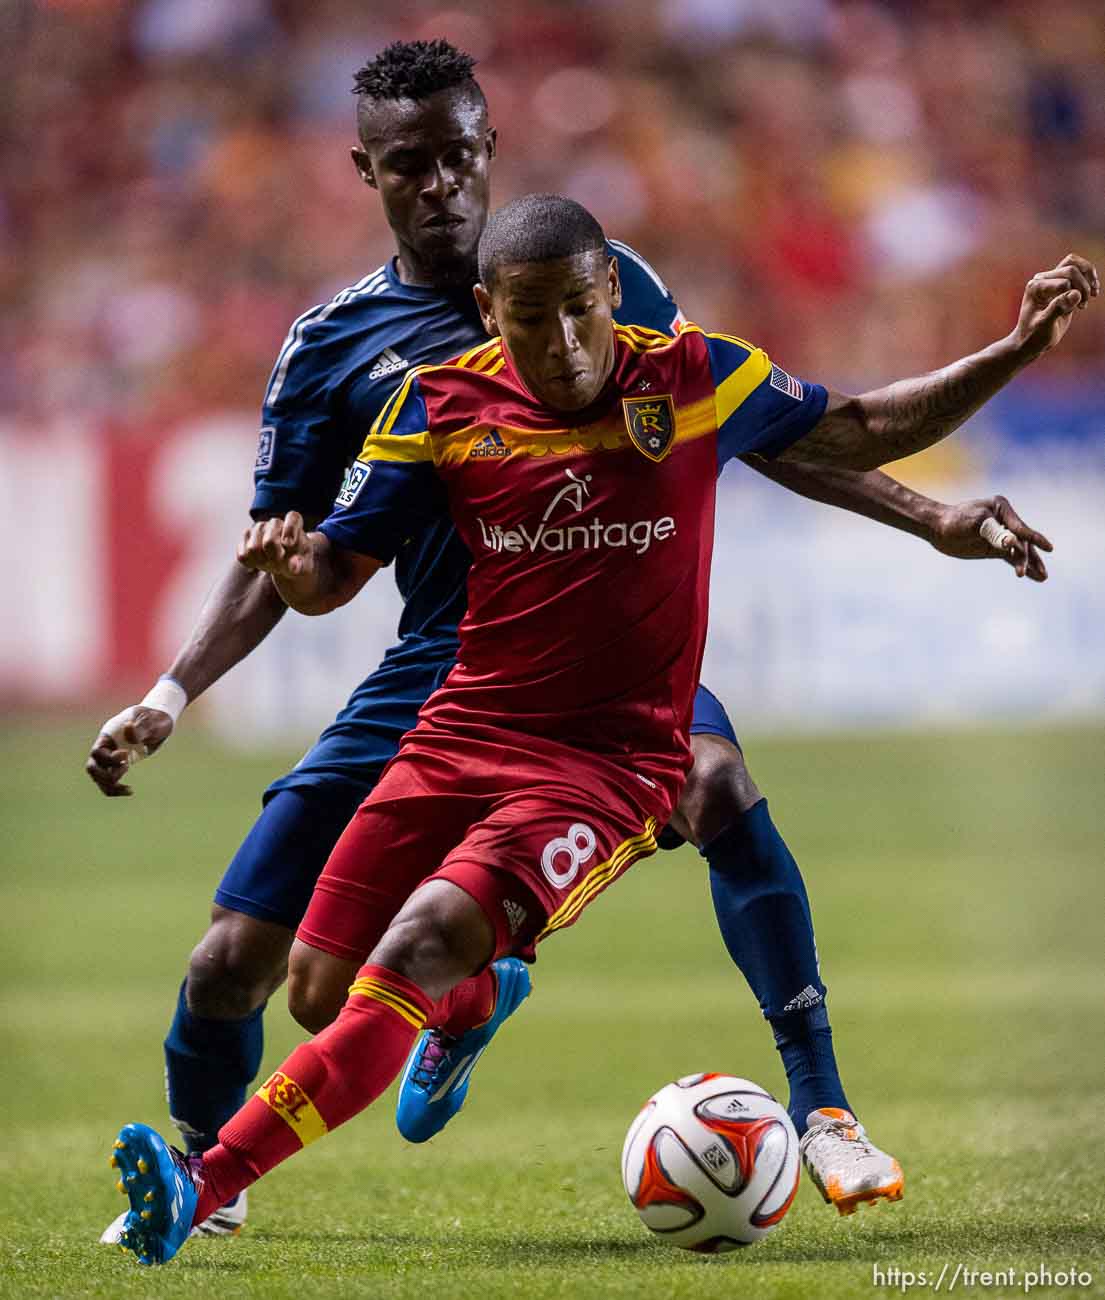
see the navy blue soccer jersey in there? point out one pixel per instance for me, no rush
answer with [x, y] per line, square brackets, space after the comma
[338, 366]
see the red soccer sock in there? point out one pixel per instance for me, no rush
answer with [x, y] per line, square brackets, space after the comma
[322, 1084]
[467, 1005]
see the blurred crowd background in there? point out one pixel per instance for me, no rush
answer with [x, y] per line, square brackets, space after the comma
[861, 187]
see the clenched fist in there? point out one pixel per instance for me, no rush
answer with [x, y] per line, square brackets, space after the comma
[1049, 299]
[278, 546]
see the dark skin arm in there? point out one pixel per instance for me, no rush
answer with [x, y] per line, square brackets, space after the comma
[951, 529]
[241, 610]
[903, 418]
[309, 572]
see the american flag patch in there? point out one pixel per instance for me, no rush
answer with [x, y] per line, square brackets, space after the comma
[785, 383]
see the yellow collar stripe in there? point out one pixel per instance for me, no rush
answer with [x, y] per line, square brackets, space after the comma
[644, 339]
[379, 992]
[287, 1099]
[467, 358]
[488, 360]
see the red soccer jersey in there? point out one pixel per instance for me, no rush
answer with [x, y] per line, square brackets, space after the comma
[590, 533]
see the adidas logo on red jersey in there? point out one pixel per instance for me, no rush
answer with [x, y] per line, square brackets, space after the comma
[489, 447]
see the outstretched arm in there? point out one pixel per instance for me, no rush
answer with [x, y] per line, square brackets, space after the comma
[906, 417]
[240, 611]
[952, 529]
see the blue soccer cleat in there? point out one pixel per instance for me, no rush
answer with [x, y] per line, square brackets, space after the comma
[162, 1194]
[435, 1082]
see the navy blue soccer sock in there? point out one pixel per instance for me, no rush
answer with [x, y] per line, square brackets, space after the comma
[209, 1064]
[764, 916]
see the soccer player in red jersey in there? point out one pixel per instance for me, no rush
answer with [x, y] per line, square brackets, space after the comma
[543, 767]
[426, 147]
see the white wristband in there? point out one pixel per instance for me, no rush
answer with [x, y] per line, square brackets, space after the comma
[169, 696]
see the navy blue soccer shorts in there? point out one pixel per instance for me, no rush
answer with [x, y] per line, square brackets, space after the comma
[273, 874]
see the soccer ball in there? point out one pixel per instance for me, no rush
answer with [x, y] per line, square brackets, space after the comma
[711, 1163]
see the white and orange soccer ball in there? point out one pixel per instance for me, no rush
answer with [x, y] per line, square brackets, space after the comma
[711, 1163]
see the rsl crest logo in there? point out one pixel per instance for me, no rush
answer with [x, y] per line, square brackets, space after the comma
[650, 422]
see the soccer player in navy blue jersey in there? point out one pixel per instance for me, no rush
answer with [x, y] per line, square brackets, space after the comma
[426, 147]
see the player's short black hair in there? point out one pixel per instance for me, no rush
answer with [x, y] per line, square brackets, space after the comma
[537, 228]
[415, 70]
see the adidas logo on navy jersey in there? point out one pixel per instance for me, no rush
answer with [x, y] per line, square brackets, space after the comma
[490, 446]
[387, 363]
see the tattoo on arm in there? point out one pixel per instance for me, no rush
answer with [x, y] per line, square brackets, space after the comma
[908, 416]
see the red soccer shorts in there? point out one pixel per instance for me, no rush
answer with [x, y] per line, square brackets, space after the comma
[532, 833]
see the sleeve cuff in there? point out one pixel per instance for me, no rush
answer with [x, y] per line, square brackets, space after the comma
[796, 428]
[361, 540]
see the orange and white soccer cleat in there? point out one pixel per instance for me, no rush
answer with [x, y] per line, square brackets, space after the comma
[843, 1163]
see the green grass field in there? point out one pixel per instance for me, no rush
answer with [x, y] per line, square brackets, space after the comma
[959, 914]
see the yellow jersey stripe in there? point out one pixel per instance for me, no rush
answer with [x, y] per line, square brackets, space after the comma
[647, 338]
[695, 420]
[282, 1094]
[466, 358]
[732, 338]
[646, 332]
[407, 448]
[747, 377]
[378, 992]
[626, 853]
[597, 880]
[390, 409]
[484, 363]
[496, 366]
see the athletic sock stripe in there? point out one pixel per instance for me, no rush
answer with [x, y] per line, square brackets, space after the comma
[598, 877]
[286, 1098]
[379, 992]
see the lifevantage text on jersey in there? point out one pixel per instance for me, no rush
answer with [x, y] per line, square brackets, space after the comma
[556, 537]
